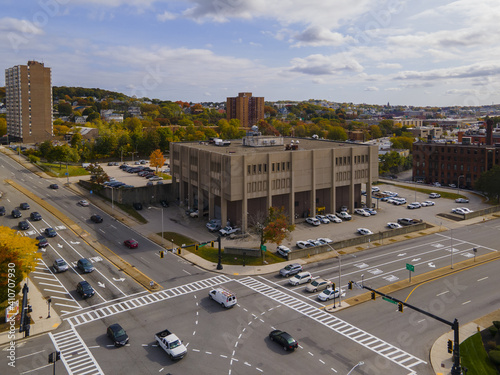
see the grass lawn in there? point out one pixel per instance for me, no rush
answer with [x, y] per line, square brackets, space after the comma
[212, 253]
[444, 194]
[475, 358]
[59, 170]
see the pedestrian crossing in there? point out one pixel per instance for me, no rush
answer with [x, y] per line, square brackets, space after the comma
[369, 341]
[52, 287]
[75, 354]
[147, 299]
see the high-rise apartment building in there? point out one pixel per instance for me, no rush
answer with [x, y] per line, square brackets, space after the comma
[246, 108]
[28, 91]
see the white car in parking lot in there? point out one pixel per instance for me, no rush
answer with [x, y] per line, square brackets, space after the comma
[364, 231]
[394, 225]
[314, 242]
[283, 250]
[344, 215]
[375, 189]
[427, 203]
[434, 195]
[303, 244]
[323, 219]
[361, 212]
[313, 221]
[414, 205]
[461, 200]
[333, 218]
[324, 240]
[459, 211]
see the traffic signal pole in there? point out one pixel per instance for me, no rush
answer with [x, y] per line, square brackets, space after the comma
[456, 369]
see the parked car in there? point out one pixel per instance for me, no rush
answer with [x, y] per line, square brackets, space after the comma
[300, 278]
[394, 225]
[283, 250]
[117, 335]
[324, 240]
[24, 206]
[427, 203]
[317, 285]
[131, 243]
[314, 242]
[333, 218]
[96, 218]
[50, 232]
[84, 289]
[23, 225]
[467, 211]
[413, 206]
[283, 339]
[406, 221]
[329, 293]
[35, 216]
[371, 211]
[60, 265]
[137, 206]
[54, 186]
[461, 200]
[459, 211]
[344, 215]
[361, 212]
[83, 203]
[303, 244]
[397, 201]
[323, 219]
[16, 213]
[313, 221]
[364, 231]
[434, 195]
[375, 189]
[291, 270]
[228, 230]
[84, 265]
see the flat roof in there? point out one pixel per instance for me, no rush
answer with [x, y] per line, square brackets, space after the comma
[305, 144]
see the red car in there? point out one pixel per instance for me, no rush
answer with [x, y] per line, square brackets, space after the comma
[131, 244]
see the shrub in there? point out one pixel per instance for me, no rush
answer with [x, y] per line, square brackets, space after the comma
[493, 330]
[490, 345]
[496, 323]
[494, 356]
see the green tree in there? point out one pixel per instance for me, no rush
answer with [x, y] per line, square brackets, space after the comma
[3, 126]
[76, 140]
[337, 133]
[65, 109]
[489, 183]
[402, 143]
[375, 131]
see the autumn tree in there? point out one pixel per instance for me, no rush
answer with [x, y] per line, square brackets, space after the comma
[156, 159]
[18, 257]
[489, 183]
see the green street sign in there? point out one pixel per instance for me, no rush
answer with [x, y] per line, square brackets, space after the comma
[389, 300]
[263, 248]
[410, 267]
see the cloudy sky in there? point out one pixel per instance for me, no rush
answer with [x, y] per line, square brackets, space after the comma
[439, 52]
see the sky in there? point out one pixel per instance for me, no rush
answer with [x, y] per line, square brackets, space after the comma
[402, 52]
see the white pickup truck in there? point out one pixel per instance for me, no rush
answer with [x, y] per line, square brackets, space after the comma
[226, 231]
[169, 342]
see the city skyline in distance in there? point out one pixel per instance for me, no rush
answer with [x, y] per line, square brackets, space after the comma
[427, 54]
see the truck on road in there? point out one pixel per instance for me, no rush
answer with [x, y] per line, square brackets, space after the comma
[169, 342]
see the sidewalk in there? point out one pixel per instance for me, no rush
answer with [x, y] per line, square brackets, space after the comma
[41, 323]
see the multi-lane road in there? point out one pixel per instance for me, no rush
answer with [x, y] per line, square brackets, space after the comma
[235, 341]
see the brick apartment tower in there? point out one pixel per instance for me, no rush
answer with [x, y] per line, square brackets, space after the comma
[246, 108]
[28, 91]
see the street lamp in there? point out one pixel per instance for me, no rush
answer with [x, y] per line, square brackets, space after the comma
[360, 363]
[340, 275]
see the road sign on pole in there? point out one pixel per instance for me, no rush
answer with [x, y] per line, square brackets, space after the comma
[410, 268]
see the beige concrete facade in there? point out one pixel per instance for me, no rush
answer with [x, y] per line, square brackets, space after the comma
[238, 183]
[28, 91]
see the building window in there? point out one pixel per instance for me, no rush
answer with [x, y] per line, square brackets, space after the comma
[249, 187]
[249, 169]
[260, 185]
[265, 168]
[273, 167]
[260, 168]
[287, 165]
[344, 161]
[277, 167]
[283, 166]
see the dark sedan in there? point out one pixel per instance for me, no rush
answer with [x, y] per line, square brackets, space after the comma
[50, 232]
[16, 213]
[84, 289]
[96, 218]
[42, 241]
[23, 225]
[24, 206]
[2, 210]
[35, 216]
[117, 334]
[85, 265]
[283, 339]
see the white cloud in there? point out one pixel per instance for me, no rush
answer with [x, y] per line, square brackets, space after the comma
[371, 88]
[389, 66]
[320, 64]
[320, 36]
[483, 69]
[14, 25]
[165, 16]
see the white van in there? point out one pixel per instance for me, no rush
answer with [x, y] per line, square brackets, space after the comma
[223, 296]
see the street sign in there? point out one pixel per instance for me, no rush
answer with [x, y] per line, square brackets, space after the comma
[389, 300]
[263, 248]
[410, 267]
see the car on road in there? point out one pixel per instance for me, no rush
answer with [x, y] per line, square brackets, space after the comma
[361, 212]
[313, 221]
[2, 211]
[427, 203]
[344, 215]
[394, 225]
[23, 225]
[50, 232]
[324, 240]
[96, 218]
[84, 289]
[42, 242]
[323, 219]
[303, 244]
[413, 206]
[364, 231]
[301, 278]
[434, 195]
[317, 285]
[85, 265]
[60, 265]
[291, 269]
[16, 213]
[83, 203]
[54, 186]
[131, 243]
[35, 216]
[283, 250]
[24, 206]
[333, 218]
[117, 334]
[461, 200]
[285, 340]
[329, 293]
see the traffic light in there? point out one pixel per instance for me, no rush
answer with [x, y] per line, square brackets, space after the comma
[400, 307]
[30, 309]
[374, 295]
[161, 254]
[196, 247]
[450, 346]
[179, 251]
[333, 286]
[58, 356]
[349, 285]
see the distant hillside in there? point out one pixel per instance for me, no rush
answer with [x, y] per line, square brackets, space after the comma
[82, 92]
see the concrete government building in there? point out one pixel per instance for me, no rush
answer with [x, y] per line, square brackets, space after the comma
[241, 180]
[246, 108]
[28, 92]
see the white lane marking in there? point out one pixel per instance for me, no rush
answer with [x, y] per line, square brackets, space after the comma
[466, 302]
[440, 294]
[484, 278]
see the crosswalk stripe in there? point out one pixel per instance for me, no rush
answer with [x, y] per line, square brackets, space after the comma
[344, 328]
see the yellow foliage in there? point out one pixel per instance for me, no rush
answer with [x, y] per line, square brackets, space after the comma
[156, 159]
[18, 249]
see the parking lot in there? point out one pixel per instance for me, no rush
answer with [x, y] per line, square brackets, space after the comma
[132, 179]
